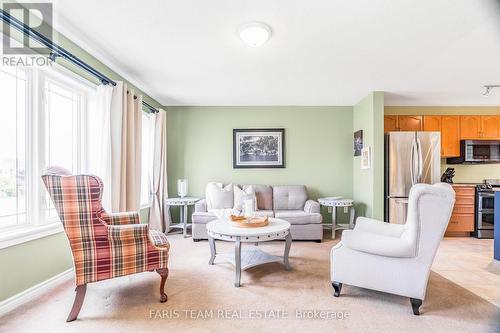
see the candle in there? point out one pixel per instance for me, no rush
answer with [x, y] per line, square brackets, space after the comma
[248, 208]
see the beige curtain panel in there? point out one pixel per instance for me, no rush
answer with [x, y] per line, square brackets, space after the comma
[159, 214]
[126, 136]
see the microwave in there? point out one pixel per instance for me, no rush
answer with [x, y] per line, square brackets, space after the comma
[477, 152]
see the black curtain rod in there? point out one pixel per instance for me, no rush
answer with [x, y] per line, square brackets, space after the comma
[146, 104]
[57, 51]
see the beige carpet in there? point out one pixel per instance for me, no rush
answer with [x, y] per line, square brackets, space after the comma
[125, 304]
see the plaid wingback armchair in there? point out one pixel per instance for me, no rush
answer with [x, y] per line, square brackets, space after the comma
[104, 245]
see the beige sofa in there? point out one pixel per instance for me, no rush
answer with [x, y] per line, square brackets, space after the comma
[287, 202]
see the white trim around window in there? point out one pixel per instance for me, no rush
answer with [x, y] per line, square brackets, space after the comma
[26, 233]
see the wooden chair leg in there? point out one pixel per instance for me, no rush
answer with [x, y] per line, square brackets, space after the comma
[77, 304]
[164, 274]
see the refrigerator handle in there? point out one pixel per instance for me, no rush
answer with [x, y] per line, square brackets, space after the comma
[420, 161]
[412, 162]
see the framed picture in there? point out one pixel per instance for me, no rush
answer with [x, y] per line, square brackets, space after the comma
[358, 142]
[259, 148]
[366, 158]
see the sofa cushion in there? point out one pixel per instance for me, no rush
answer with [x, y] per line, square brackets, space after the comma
[264, 213]
[289, 197]
[241, 195]
[203, 217]
[264, 195]
[219, 196]
[298, 216]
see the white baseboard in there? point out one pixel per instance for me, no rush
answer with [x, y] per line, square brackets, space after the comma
[31, 293]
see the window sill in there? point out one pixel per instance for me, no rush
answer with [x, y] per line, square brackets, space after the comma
[28, 233]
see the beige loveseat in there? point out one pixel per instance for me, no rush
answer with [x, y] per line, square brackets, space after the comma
[287, 202]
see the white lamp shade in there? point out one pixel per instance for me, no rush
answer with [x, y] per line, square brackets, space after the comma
[182, 187]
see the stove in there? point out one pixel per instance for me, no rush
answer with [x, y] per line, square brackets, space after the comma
[484, 215]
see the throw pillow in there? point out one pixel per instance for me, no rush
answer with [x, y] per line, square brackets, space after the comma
[241, 195]
[219, 196]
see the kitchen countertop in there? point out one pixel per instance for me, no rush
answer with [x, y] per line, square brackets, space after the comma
[465, 184]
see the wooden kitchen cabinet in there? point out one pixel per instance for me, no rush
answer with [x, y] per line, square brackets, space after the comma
[450, 136]
[462, 218]
[490, 127]
[479, 127]
[390, 124]
[470, 127]
[452, 128]
[449, 127]
[410, 123]
[432, 123]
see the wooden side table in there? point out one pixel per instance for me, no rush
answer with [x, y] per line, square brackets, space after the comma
[183, 203]
[336, 202]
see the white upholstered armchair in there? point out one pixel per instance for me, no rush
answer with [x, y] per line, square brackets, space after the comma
[395, 258]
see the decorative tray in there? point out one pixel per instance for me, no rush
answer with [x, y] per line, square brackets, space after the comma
[254, 222]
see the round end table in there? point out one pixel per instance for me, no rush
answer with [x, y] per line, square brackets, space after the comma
[336, 202]
[223, 229]
[183, 211]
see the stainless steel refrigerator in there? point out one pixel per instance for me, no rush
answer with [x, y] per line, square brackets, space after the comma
[410, 158]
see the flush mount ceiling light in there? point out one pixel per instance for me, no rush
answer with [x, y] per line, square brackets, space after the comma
[255, 33]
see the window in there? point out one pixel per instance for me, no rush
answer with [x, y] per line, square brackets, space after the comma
[63, 130]
[13, 151]
[147, 158]
[42, 123]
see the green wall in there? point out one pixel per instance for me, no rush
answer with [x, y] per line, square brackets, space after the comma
[463, 173]
[318, 147]
[25, 265]
[368, 184]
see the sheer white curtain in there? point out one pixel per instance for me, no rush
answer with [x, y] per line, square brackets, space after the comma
[98, 159]
[159, 214]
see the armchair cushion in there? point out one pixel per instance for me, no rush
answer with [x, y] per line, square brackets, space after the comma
[120, 218]
[311, 206]
[131, 233]
[158, 238]
[378, 244]
[378, 227]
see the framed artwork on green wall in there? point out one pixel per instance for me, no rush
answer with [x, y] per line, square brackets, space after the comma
[358, 142]
[259, 148]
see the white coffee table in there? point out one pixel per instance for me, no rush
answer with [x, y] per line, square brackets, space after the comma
[223, 229]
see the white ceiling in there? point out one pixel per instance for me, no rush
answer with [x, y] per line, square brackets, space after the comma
[321, 52]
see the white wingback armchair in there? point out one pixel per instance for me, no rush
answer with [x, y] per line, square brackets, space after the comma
[395, 258]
